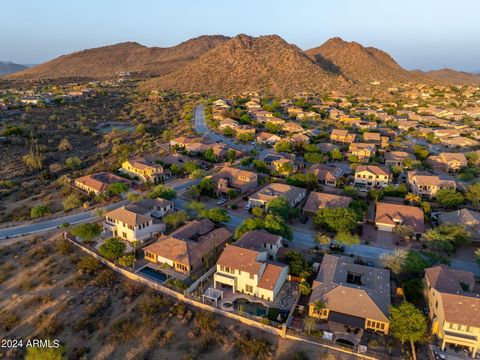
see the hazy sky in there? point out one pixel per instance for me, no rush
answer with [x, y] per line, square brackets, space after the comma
[425, 34]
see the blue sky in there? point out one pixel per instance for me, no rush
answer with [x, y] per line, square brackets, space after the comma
[425, 34]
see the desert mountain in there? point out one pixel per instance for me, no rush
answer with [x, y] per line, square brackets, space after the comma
[245, 63]
[107, 61]
[452, 76]
[7, 67]
[359, 64]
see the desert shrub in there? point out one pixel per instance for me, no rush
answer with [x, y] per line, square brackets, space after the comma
[253, 348]
[123, 330]
[132, 289]
[106, 278]
[88, 265]
[63, 246]
[48, 325]
[206, 321]
[8, 320]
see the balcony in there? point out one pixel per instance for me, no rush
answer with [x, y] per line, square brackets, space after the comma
[225, 279]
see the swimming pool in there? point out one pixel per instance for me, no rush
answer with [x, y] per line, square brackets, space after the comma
[154, 274]
[254, 308]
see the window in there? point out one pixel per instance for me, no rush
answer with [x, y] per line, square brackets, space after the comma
[124, 234]
[249, 288]
[252, 276]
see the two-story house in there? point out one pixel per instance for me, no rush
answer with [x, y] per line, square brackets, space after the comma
[448, 162]
[318, 200]
[242, 270]
[397, 158]
[363, 151]
[427, 185]
[341, 136]
[133, 223]
[146, 170]
[229, 178]
[351, 294]
[371, 176]
[189, 250]
[261, 240]
[454, 307]
[327, 174]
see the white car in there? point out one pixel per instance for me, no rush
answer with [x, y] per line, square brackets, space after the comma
[221, 201]
[248, 206]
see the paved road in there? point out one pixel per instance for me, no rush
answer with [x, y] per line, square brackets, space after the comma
[202, 128]
[85, 216]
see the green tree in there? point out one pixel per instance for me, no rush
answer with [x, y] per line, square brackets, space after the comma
[314, 158]
[117, 188]
[421, 152]
[347, 238]
[280, 206]
[245, 137]
[210, 156]
[162, 191]
[336, 219]
[308, 181]
[260, 166]
[284, 146]
[112, 249]
[408, 324]
[257, 212]
[394, 261]
[176, 219]
[298, 265]
[335, 154]
[126, 260]
[134, 197]
[231, 155]
[190, 167]
[272, 223]
[71, 202]
[473, 194]
[449, 198]
[305, 288]
[73, 163]
[39, 211]
[176, 169]
[273, 128]
[45, 353]
[207, 187]
[447, 237]
[217, 215]
[196, 208]
[87, 232]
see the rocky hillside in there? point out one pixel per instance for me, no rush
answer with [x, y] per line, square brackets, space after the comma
[107, 61]
[452, 76]
[7, 67]
[245, 63]
[359, 64]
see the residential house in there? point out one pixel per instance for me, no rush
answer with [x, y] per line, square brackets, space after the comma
[372, 137]
[327, 174]
[388, 216]
[470, 219]
[363, 151]
[268, 138]
[271, 191]
[229, 178]
[427, 185]
[98, 183]
[459, 142]
[242, 270]
[291, 127]
[191, 249]
[448, 162]
[146, 170]
[342, 136]
[318, 200]
[446, 133]
[157, 207]
[299, 138]
[228, 123]
[133, 223]
[351, 294]
[369, 177]
[397, 158]
[283, 166]
[261, 240]
[454, 307]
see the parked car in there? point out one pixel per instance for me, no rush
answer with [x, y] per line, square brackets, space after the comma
[221, 201]
[248, 206]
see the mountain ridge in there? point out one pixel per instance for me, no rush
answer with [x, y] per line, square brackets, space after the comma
[8, 67]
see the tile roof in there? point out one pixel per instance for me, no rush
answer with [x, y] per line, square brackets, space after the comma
[392, 213]
[240, 258]
[317, 200]
[270, 275]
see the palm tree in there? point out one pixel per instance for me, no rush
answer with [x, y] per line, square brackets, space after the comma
[318, 306]
[412, 198]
